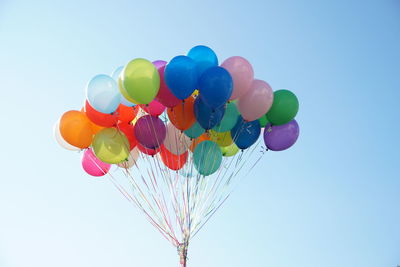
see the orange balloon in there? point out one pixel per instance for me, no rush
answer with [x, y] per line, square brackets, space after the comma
[172, 161]
[95, 127]
[76, 129]
[126, 114]
[198, 140]
[182, 115]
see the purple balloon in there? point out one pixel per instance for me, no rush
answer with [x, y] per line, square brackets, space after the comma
[150, 131]
[281, 137]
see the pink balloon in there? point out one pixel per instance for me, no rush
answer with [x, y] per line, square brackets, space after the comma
[165, 95]
[242, 74]
[257, 101]
[92, 165]
[154, 108]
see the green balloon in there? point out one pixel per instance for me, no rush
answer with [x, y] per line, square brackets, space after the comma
[229, 151]
[195, 131]
[111, 146]
[140, 80]
[229, 119]
[263, 121]
[284, 108]
[207, 157]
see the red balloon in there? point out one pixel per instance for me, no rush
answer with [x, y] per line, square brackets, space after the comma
[125, 113]
[101, 119]
[172, 161]
[148, 151]
[127, 129]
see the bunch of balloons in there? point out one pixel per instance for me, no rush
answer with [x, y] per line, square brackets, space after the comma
[189, 105]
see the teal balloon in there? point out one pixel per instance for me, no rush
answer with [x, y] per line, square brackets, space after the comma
[207, 157]
[229, 120]
[195, 131]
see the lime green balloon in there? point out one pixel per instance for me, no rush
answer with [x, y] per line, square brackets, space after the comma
[229, 151]
[284, 108]
[195, 131]
[263, 120]
[222, 139]
[140, 80]
[229, 119]
[207, 157]
[111, 146]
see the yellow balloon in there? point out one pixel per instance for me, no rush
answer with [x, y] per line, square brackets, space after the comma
[222, 139]
[124, 93]
[230, 151]
[111, 146]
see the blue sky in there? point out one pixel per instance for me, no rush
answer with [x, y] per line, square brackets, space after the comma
[332, 200]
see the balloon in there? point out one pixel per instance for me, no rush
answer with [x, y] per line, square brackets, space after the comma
[284, 108]
[229, 151]
[95, 128]
[140, 80]
[242, 75]
[164, 95]
[126, 114]
[92, 165]
[103, 94]
[207, 117]
[256, 101]
[155, 108]
[99, 118]
[182, 115]
[129, 132]
[263, 120]
[245, 134]
[60, 140]
[204, 57]
[281, 137]
[150, 131]
[148, 151]
[222, 139]
[172, 161]
[181, 76]
[201, 138]
[207, 157]
[111, 146]
[132, 158]
[117, 73]
[175, 141]
[75, 129]
[125, 99]
[229, 119]
[195, 131]
[215, 86]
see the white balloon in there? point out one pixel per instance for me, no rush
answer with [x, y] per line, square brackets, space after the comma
[60, 140]
[133, 156]
[176, 141]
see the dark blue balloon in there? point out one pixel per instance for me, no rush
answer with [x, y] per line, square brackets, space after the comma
[215, 86]
[204, 57]
[207, 117]
[245, 134]
[181, 76]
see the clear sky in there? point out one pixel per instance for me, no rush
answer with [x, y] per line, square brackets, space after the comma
[332, 200]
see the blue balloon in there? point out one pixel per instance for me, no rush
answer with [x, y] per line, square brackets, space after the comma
[245, 134]
[207, 117]
[215, 86]
[181, 76]
[103, 94]
[204, 57]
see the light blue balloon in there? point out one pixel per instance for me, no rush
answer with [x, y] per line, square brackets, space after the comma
[195, 131]
[204, 57]
[207, 157]
[115, 75]
[103, 94]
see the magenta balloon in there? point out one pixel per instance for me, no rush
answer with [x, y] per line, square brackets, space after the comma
[154, 108]
[242, 75]
[257, 101]
[164, 95]
[281, 137]
[92, 165]
[150, 131]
